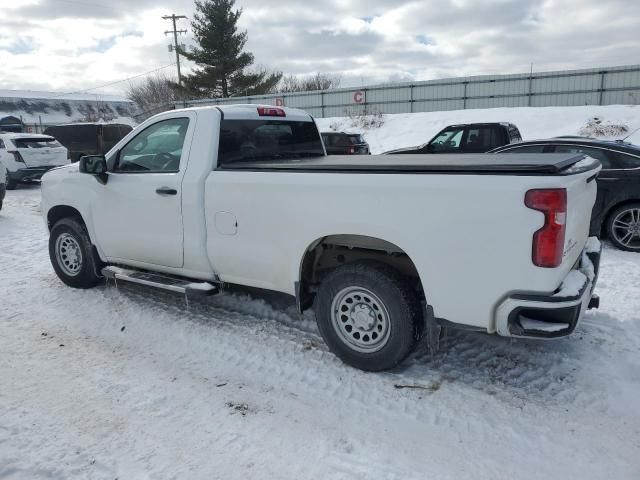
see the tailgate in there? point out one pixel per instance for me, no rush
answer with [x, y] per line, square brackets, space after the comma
[581, 196]
[40, 151]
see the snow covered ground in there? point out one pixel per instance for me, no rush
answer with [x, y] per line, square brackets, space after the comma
[129, 383]
[411, 129]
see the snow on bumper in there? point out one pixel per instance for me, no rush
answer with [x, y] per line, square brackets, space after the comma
[555, 315]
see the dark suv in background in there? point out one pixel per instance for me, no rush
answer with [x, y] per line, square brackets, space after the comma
[467, 138]
[340, 143]
[88, 138]
[616, 213]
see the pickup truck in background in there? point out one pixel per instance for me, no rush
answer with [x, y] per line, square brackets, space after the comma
[468, 138]
[381, 246]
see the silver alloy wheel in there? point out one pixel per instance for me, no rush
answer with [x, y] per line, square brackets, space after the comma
[626, 228]
[68, 254]
[360, 319]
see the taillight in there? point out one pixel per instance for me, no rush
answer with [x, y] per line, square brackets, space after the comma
[351, 150]
[271, 112]
[548, 242]
[16, 156]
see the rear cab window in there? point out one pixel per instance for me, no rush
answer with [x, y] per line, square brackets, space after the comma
[514, 134]
[267, 140]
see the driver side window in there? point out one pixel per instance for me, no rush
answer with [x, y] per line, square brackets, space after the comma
[157, 148]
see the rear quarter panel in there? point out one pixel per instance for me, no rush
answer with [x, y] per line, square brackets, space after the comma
[470, 237]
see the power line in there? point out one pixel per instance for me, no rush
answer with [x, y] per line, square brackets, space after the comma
[173, 17]
[110, 83]
[88, 4]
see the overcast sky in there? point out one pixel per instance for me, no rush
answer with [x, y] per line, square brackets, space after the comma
[68, 45]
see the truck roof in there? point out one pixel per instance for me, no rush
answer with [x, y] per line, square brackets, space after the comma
[249, 111]
[481, 163]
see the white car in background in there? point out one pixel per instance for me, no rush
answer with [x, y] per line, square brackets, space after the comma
[27, 156]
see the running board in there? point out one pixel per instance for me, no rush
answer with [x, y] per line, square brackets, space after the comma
[162, 282]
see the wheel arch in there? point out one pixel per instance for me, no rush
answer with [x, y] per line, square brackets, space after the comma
[58, 212]
[330, 251]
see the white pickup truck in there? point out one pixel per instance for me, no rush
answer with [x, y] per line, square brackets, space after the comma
[196, 199]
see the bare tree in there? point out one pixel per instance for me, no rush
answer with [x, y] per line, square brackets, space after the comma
[156, 93]
[317, 81]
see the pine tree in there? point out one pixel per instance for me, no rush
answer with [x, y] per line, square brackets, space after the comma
[222, 63]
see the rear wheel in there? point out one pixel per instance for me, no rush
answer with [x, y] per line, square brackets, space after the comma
[71, 254]
[368, 315]
[623, 227]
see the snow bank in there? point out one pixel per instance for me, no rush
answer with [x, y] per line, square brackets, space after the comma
[411, 129]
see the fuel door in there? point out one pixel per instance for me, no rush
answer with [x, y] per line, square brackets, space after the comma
[226, 223]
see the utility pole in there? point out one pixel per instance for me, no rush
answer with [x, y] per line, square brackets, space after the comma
[175, 32]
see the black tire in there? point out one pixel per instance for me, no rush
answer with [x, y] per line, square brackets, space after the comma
[625, 214]
[10, 184]
[396, 298]
[72, 232]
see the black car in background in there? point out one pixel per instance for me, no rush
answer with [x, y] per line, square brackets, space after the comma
[616, 213]
[467, 138]
[88, 138]
[340, 143]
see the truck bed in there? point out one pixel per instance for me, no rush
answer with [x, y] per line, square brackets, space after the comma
[480, 164]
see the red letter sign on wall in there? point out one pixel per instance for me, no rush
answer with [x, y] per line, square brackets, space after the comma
[359, 97]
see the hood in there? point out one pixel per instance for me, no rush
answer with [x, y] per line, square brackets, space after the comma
[60, 172]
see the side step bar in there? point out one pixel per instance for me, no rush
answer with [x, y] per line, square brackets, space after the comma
[163, 282]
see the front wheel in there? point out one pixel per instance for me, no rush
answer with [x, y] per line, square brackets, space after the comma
[71, 254]
[368, 315]
[623, 227]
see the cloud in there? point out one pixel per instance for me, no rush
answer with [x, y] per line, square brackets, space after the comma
[70, 45]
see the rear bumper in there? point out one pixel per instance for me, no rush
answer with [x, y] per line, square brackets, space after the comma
[30, 173]
[557, 314]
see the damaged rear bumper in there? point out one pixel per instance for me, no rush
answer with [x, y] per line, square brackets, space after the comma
[555, 315]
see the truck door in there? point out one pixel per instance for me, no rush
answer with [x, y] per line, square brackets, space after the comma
[138, 212]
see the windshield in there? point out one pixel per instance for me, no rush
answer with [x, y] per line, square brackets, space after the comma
[446, 140]
[251, 140]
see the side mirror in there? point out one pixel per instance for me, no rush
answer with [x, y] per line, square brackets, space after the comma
[95, 165]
